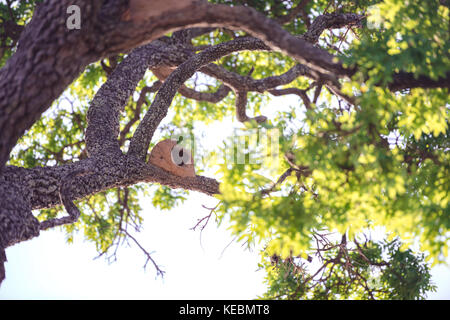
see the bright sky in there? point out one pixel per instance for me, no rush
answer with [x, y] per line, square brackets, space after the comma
[206, 267]
[48, 268]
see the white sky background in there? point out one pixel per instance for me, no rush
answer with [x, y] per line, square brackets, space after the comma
[48, 268]
[196, 268]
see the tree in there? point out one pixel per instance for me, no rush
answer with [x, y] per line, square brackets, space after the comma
[365, 147]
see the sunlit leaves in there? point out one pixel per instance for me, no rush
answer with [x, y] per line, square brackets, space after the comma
[381, 162]
[14, 15]
[384, 163]
[166, 198]
[373, 270]
[412, 37]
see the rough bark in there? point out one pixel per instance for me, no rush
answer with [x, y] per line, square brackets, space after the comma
[16, 220]
[42, 183]
[212, 97]
[158, 110]
[104, 111]
[48, 50]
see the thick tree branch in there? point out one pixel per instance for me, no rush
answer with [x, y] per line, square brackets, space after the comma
[158, 110]
[45, 187]
[66, 200]
[103, 114]
[17, 223]
[405, 80]
[108, 28]
[42, 183]
[47, 51]
[238, 18]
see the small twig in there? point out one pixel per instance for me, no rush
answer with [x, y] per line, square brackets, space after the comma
[317, 92]
[149, 257]
[343, 37]
[241, 104]
[212, 210]
[226, 247]
[301, 93]
[280, 180]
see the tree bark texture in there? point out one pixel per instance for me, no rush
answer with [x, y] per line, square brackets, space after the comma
[49, 57]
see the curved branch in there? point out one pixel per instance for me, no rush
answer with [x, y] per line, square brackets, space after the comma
[241, 112]
[238, 18]
[213, 97]
[296, 91]
[245, 83]
[158, 110]
[103, 114]
[66, 200]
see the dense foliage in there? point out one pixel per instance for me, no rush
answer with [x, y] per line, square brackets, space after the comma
[339, 172]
